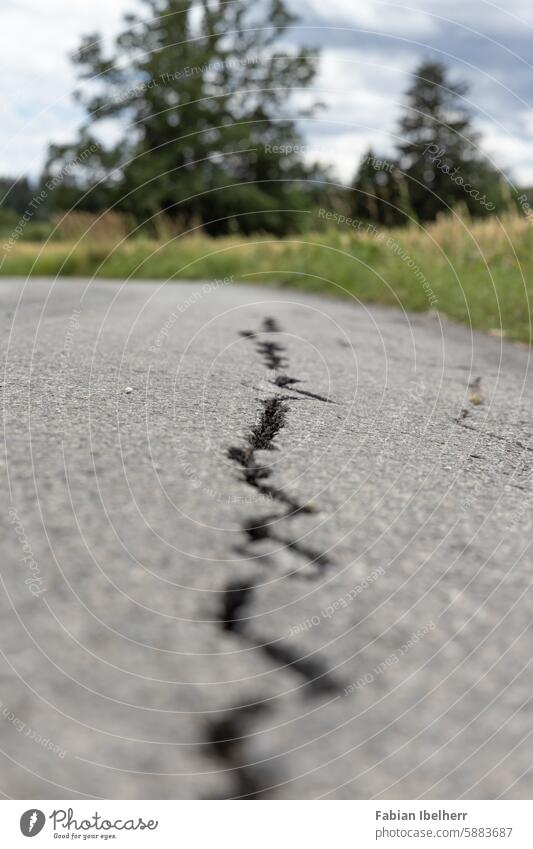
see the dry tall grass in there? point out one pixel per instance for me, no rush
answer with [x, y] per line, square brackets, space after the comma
[476, 271]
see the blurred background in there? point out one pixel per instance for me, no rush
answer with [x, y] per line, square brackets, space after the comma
[183, 138]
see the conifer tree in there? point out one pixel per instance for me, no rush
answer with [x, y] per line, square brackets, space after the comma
[439, 151]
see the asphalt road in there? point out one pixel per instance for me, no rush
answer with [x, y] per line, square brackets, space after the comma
[258, 543]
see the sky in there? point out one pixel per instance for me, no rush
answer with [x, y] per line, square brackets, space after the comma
[369, 50]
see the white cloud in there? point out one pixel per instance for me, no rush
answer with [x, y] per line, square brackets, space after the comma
[363, 98]
[37, 78]
[377, 15]
[511, 152]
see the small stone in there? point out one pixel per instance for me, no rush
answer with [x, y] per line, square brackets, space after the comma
[128, 390]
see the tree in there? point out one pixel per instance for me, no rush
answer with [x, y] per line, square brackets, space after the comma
[16, 194]
[379, 191]
[204, 93]
[439, 151]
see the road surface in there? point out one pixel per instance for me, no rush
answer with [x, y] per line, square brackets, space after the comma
[260, 544]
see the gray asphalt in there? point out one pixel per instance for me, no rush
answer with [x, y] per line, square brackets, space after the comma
[260, 544]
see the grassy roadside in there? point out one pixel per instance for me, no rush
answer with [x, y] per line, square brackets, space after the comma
[479, 273]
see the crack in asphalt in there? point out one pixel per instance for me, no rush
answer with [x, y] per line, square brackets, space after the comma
[284, 380]
[316, 676]
[262, 438]
[226, 735]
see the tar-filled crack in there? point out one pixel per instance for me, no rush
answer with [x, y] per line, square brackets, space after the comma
[227, 736]
[260, 529]
[273, 354]
[285, 380]
[261, 438]
[315, 675]
[227, 741]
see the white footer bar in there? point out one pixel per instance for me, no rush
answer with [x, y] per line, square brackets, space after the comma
[267, 825]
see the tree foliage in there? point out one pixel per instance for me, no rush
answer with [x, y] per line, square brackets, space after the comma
[439, 151]
[379, 191]
[200, 92]
[437, 164]
[15, 194]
